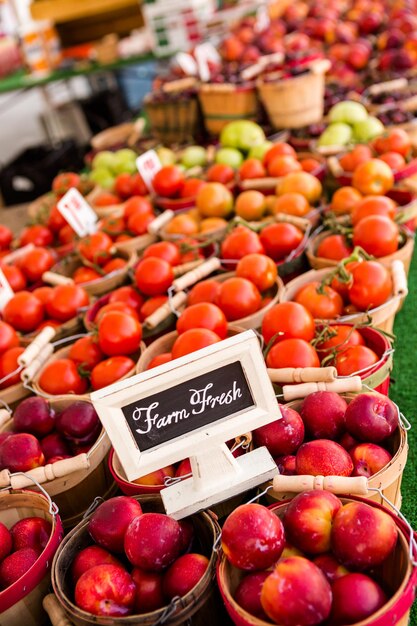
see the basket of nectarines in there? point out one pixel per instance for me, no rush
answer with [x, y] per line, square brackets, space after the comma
[317, 559]
[31, 531]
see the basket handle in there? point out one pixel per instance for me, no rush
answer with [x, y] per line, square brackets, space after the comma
[34, 348]
[320, 66]
[335, 484]
[33, 368]
[302, 374]
[45, 473]
[160, 221]
[260, 183]
[399, 278]
[186, 268]
[350, 384]
[300, 222]
[389, 85]
[52, 278]
[205, 269]
[18, 254]
[165, 310]
[334, 166]
[55, 611]
[5, 417]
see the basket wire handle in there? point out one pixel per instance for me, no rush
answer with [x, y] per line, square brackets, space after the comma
[168, 611]
[37, 392]
[53, 508]
[59, 342]
[93, 506]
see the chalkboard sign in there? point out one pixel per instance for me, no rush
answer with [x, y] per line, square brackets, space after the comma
[188, 406]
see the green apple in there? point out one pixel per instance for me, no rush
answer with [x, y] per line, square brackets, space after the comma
[242, 135]
[102, 177]
[229, 156]
[348, 112]
[194, 156]
[103, 160]
[166, 156]
[337, 134]
[124, 162]
[258, 152]
[368, 129]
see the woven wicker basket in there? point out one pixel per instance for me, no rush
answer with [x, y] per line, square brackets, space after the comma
[224, 103]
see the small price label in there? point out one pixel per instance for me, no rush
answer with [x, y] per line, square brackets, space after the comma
[6, 292]
[205, 54]
[78, 213]
[148, 165]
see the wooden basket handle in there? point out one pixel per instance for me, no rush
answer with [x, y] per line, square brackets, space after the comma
[321, 66]
[165, 310]
[160, 221]
[55, 611]
[389, 85]
[34, 348]
[334, 166]
[407, 212]
[351, 384]
[357, 485]
[33, 368]
[185, 268]
[46, 473]
[300, 222]
[260, 183]
[5, 417]
[18, 254]
[302, 374]
[205, 269]
[399, 278]
[179, 85]
[52, 278]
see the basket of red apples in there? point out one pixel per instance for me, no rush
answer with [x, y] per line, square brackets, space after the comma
[61, 444]
[318, 559]
[129, 563]
[331, 434]
[30, 532]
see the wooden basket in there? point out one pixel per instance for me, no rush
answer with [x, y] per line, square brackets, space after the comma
[224, 103]
[382, 316]
[173, 121]
[72, 483]
[298, 101]
[126, 134]
[397, 574]
[200, 602]
[21, 603]
[404, 254]
[14, 393]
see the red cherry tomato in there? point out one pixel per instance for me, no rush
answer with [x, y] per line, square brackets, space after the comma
[43, 293]
[85, 274]
[86, 353]
[168, 182]
[66, 235]
[8, 365]
[123, 186]
[151, 305]
[191, 188]
[206, 291]
[288, 320]
[220, 173]
[203, 315]
[38, 235]
[55, 221]
[377, 235]
[138, 223]
[119, 334]
[334, 247]
[113, 226]
[259, 269]
[240, 242]
[8, 337]
[60, 377]
[15, 277]
[153, 276]
[66, 301]
[115, 265]
[138, 186]
[280, 239]
[323, 302]
[111, 370]
[192, 340]
[24, 312]
[159, 359]
[129, 296]
[292, 353]
[36, 262]
[6, 237]
[372, 285]
[96, 248]
[238, 298]
[355, 359]
[163, 250]
[115, 306]
[63, 182]
[340, 338]
[139, 205]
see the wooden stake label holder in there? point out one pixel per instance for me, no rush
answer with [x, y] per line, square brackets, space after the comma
[190, 407]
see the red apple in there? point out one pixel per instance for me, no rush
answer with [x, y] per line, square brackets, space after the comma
[110, 521]
[5, 541]
[286, 465]
[184, 574]
[153, 541]
[21, 453]
[106, 590]
[355, 597]
[54, 445]
[283, 436]
[323, 457]
[88, 558]
[323, 414]
[31, 532]
[296, 592]
[34, 416]
[149, 594]
[331, 568]
[308, 520]
[371, 417]
[368, 459]
[362, 536]
[78, 421]
[348, 442]
[252, 537]
[248, 594]
[187, 535]
[15, 565]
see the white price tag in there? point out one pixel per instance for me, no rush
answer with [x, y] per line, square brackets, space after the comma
[78, 213]
[204, 54]
[6, 292]
[148, 165]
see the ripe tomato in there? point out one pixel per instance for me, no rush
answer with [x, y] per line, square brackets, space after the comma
[138, 223]
[168, 182]
[55, 221]
[129, 296]
[6, 237]
[35, 263]
[182, 224]
[373, 177]
[38, 235]
[214, 200]
[153, 276]
[151, 305]
[373, 205]
[220, 173]
[86, 353]
[250, 205]
[203, 315]
[63, 182]
[8, 337]
[66, 235]
[43, 293]
[191, 187]
[111, 370]
[238, 298]
[280, 239]
[371, 286]
[354, 359]
[334, 247]
[291, 204]
[137, 204]
[345, 200]
[259, 269]
[15, 277]
[301, 182]
[96, 248]
[138, 186]
[377, 235]
[292, 353]
[85, 274]
[115, 306]
[206, 291]
[279, 149]
[159, 359]
[113, 226]
[343, 336]
[240, 242]
[192, 340]
[310, 165]
[342, 287]
[394, 160]
[163, 250]
[105, 199]
[397, 140]
[251, 168]
[24, 312]
[283, 165]
[66, 301]
[119, 333]
[327, 305]
[123, 186]
[288, 320]
[351, 160]
[114, 265]
[60, 377]
[8, 365]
